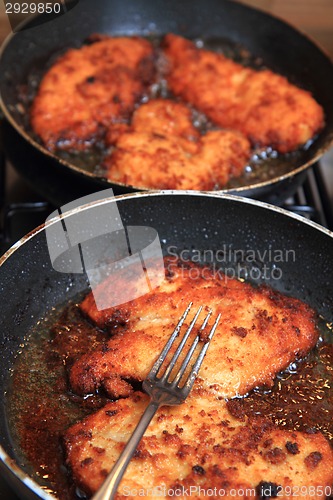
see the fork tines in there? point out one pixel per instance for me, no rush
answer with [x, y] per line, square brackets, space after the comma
[174, 383]
[161, 392]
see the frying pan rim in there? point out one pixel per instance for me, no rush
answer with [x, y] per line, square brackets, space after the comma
[163, 192]
[23, 477]
[7, 461]
[89, 175]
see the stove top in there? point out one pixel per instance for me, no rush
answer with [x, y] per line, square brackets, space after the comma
[21, 209]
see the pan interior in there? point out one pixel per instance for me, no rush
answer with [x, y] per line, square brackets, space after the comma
[265, 164]
[231, 29]
[36, 372]
[237, 230]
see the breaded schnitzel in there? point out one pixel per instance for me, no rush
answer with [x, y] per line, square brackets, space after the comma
[162, 149]
[162, 117]
[198, 445]
[261, 332]
[262, 105]
[88, 89]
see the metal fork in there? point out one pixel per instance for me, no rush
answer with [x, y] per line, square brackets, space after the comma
[162, 391]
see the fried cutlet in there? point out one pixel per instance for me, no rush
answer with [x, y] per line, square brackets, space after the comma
[163, 150]
[198, 447]
[261, 332]
[263, 105]
[89, 89]
[162, 117]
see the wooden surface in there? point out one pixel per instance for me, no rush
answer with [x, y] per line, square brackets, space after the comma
[4, 24]
[314, 17]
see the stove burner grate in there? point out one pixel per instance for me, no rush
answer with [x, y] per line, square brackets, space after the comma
[18, 218]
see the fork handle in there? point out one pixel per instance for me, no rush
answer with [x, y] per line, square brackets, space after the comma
[110, 485]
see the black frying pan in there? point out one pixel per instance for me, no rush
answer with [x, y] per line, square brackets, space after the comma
[279, 46]
[29, 287]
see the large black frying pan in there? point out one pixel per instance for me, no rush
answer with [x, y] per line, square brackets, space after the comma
[279, 46]
[29, 286]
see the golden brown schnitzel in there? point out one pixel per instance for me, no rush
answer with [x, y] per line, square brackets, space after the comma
[260, 333]
[163, 150]
[196, 449]
[89, 89]
[263, 105]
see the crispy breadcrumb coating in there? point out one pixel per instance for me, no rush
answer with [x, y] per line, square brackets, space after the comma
[262, 105]
[162, 117]
[162, 149]
[89, 88]
[198, 444]
[261, 332]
